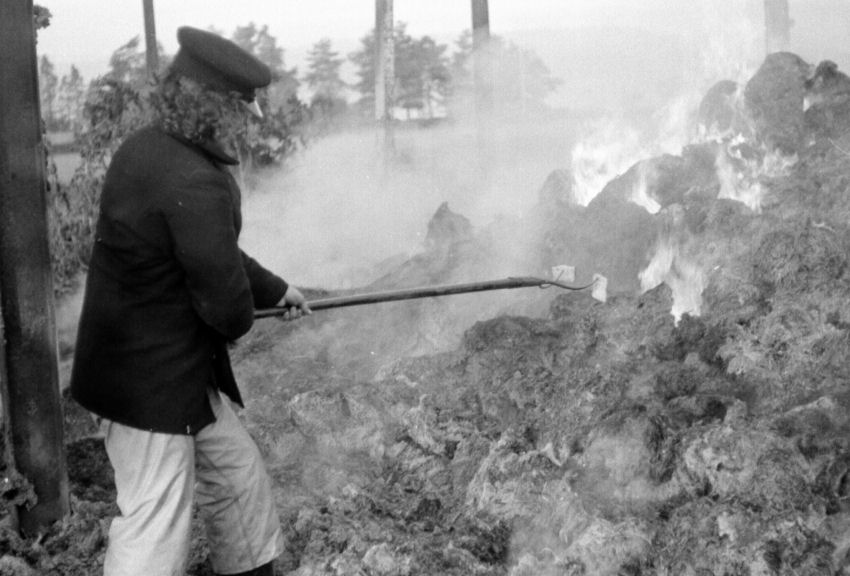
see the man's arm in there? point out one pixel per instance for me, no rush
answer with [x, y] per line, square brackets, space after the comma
[200, 212]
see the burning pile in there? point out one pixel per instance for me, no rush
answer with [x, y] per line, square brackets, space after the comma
[695, 423]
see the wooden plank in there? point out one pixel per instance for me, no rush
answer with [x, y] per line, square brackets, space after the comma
[151, 52]
[482, 60]
[30, 381]
[384, 75]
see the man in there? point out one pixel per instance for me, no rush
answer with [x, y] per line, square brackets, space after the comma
[167, 289]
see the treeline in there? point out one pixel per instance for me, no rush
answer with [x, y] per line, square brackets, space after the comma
[429, 81]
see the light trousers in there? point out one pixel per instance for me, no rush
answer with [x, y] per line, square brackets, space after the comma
[158, 476]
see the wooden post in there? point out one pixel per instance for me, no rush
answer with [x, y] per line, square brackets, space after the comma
[29, 377]
[384, 74]
[482, 63]
[151, 52]
[777, 24]
[482, 71]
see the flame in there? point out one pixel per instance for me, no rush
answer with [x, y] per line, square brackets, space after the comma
[640, 194]
[674, 122]
[735, 185]
[613, 146]
[608, 152]
[741, 174]
[731, 40]
[685, 279]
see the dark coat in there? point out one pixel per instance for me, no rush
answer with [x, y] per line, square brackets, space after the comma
[167, 287]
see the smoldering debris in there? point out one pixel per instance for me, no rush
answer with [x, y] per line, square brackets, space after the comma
[609, 437]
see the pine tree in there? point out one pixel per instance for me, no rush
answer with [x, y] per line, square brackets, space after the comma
[127, 64]
[260, 43]
[364, 61]
[422, 76]
[270, 140]
[323, 78]
[71, 99]
[521, 80]
[47, 85]
[323, 72]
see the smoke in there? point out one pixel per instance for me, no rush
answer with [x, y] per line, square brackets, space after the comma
[338, 216]
[732, 37]
[729, 45]
[341, 209]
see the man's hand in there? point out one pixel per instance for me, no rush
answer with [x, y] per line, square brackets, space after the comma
[295, 303]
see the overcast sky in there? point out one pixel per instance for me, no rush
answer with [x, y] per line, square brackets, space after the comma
[86, 26]
[86, 32]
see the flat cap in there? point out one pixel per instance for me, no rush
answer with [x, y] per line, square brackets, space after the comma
[218, 63]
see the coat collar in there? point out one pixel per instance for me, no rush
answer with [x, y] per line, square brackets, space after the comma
[212, 149]
[215, 150]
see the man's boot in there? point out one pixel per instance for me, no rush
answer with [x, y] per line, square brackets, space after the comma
[264, 570]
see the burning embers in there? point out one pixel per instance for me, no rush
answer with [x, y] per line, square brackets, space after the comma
[684, 277]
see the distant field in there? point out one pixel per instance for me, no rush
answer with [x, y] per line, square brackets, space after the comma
[66, 164]
[64, 154]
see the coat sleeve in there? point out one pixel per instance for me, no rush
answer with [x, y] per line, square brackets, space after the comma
[200, 215]
[266, 287]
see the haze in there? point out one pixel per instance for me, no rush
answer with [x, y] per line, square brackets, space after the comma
[328, 207]
[636, 39]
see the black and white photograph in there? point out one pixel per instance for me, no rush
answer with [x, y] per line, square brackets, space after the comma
[425, 288]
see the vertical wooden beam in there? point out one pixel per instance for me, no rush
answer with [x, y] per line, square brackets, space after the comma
[151, 52]
[777, 24]
[384, 72]
[482, 63]
[30, 381]
[482, 73]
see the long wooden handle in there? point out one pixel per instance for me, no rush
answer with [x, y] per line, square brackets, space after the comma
[422, 292]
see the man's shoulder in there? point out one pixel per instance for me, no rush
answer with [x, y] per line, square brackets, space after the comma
[152, 145]
[152, 160]
[155, 138]
[153, 142]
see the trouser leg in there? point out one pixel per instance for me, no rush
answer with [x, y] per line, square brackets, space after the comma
[235, 496]
[154, 478]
